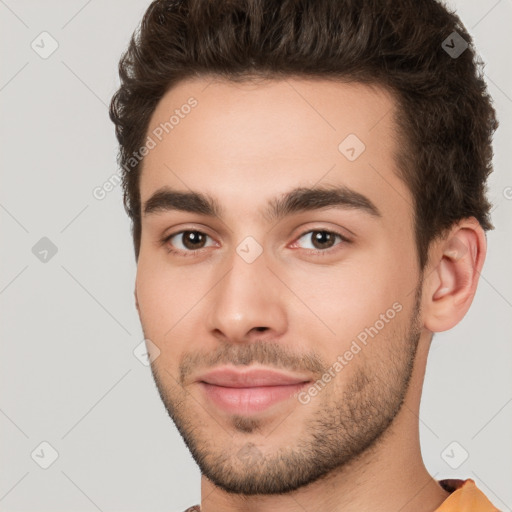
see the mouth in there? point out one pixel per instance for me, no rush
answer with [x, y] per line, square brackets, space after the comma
[251, 391]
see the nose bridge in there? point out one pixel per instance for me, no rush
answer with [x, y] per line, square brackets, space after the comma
[247, 297]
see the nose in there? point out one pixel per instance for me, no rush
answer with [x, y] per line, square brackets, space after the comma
[247, 301]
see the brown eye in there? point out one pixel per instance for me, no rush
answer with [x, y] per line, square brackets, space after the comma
[186, 242]
[321, 240]
[193, 239]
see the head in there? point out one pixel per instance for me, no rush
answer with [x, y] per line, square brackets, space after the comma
[340, 119]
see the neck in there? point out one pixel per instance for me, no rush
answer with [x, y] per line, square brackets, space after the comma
[389, 476]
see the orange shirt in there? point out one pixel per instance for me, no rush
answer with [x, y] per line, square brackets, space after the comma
[465, 497]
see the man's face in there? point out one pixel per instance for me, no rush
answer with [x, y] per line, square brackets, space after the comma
[311, 291]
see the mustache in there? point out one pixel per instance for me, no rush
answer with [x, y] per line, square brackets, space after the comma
[268, 353]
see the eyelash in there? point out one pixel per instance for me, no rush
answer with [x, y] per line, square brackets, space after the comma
[312, 252]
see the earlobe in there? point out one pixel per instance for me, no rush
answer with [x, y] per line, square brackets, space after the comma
[451, 286]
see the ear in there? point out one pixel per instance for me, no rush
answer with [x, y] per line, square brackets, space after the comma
[453, 272]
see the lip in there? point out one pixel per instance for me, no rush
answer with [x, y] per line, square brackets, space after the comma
[251, 391]
[248, 401]
[254, 377]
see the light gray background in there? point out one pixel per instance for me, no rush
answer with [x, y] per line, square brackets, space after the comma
[69, 325]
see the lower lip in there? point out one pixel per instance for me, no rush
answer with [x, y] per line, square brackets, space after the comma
[249, 400]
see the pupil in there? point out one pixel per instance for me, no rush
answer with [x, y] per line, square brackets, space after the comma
[320, 237]
[191, 238]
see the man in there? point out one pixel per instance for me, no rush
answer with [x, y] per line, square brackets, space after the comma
[306, 182]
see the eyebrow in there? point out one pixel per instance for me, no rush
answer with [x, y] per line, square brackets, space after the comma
[297, 200]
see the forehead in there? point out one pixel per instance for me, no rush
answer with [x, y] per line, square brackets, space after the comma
[231, 140]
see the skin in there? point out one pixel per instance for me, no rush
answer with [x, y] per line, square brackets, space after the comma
[355, 446]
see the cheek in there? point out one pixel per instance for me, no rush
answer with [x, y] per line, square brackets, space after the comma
[353, 286]
[169, 296]
[347, 301]
[157, 297]
[160, 310]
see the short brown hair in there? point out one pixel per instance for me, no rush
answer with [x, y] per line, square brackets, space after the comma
[445, 116]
